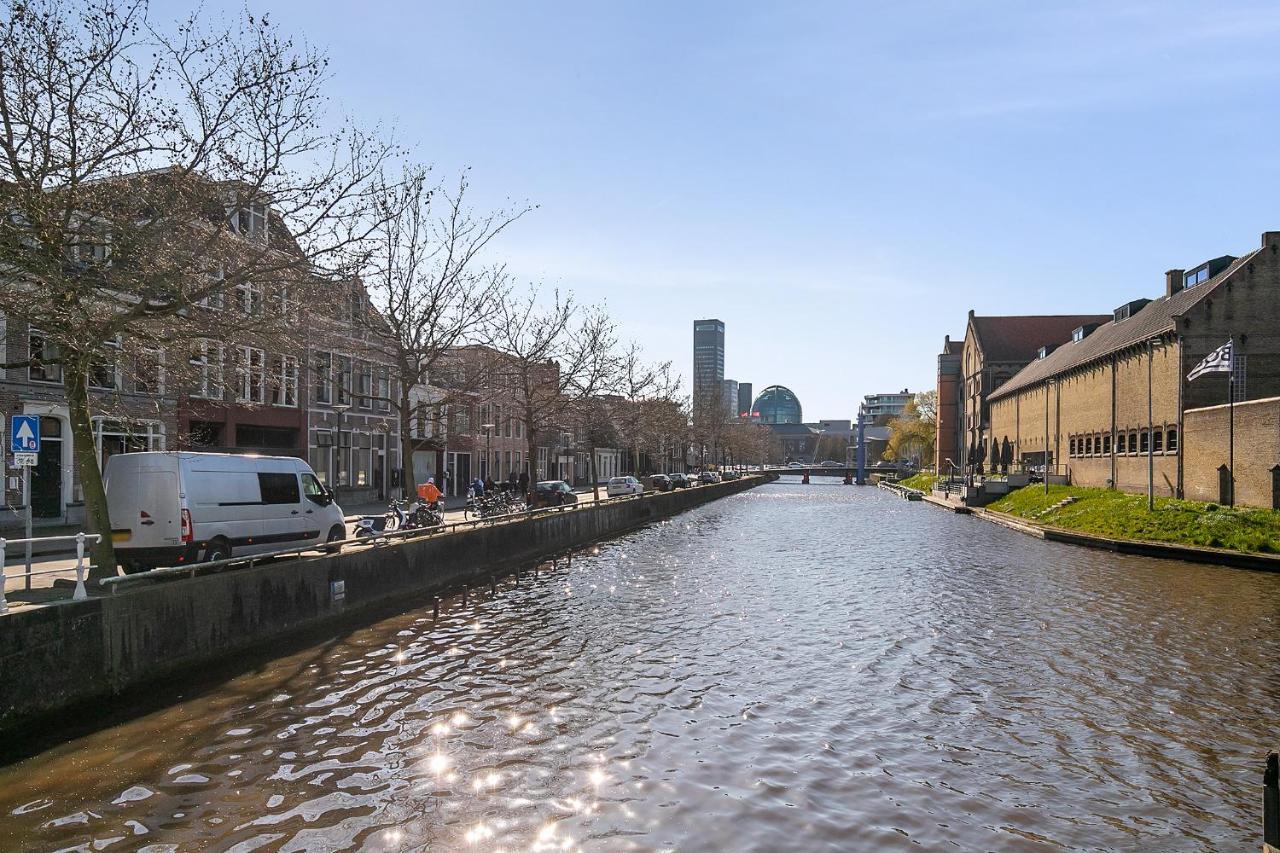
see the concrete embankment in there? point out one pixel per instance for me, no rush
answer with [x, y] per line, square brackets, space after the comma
[55, 657]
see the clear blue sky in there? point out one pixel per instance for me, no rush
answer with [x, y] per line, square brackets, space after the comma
[840, 183]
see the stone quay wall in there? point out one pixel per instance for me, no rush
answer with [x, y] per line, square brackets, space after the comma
[56, 657]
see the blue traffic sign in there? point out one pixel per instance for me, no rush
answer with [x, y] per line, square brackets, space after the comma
[25, 434]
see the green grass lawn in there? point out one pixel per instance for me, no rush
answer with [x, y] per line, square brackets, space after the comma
[923, 481]
[1124, 516]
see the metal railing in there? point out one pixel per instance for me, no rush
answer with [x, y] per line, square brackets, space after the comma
[381, 539]
[79, 538]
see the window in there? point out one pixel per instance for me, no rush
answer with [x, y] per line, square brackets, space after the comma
[1071, 446]
[1142, 441]
[1106, 444]
[286, 302]
[214, 297]
[312, 488]
[1171, 439]
[1191, 279]
[343, 379]
[364, 384]
[1239, 367]
[103, 372]
[1088, 445]
[207, 359]
[251, 375]
[1157, 441]
[249, 219]
[322, 381]
[284, 379]
[278, 488]
[148, 372]
[112, 437]
[382, 391]
[249, 298]
[42, 352]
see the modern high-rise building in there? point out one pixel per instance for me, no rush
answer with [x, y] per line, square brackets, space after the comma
[729, 396]
[744, 399]
[708, 363]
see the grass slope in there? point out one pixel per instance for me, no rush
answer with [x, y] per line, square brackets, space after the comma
[922, 481]
[1124, 516]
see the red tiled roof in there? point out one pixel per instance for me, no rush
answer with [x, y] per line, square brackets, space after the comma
[1018, 339]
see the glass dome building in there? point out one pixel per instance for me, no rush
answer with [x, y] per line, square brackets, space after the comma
[777, 404]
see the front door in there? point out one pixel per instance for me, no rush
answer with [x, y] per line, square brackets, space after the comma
[46, 477]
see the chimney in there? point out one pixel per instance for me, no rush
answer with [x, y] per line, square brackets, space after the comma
[1270, 238]
[1173, 282]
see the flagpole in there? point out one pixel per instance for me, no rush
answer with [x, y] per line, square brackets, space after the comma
[1231, 426]
[1151, 436]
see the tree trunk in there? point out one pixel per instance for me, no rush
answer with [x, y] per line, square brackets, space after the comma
[75, 379]
[408, 487]
[530, 460]
[595, 481]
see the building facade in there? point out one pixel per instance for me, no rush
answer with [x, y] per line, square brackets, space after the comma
[878, 408]
[729, 395]
[777, 404]
[1111, 405]
[996, 348]
[708, 364]
[744, 400]
[947, 443]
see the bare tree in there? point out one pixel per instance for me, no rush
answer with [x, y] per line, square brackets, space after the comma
[426, 280]
[546, 356]
[648, 409]
[148, 177]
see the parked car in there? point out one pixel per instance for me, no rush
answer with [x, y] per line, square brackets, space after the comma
[619, 486]
[731, 475]
[171, 508]
[708, 477]
[831, 463]
[680, 480]
[661, 483]
[795, 464]
[552, 493]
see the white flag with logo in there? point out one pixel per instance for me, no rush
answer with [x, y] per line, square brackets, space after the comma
[1218, 361]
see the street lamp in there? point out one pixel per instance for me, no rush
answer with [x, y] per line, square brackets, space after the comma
[488, 450]
[339, 409]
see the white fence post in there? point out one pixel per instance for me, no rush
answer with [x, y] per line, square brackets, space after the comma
[80, 594]
[4, 605]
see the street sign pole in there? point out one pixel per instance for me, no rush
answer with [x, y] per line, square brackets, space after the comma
[26, 499]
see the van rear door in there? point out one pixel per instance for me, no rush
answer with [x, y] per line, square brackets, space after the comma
[142, 500]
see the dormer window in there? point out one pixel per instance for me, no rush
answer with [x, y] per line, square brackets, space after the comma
[1196, 276]
[248, 218]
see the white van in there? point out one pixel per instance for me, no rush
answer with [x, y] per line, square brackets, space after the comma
[173, 508]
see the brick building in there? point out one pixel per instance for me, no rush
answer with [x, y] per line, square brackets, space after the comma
[996, 348]
[1088, 396]
[947, 446]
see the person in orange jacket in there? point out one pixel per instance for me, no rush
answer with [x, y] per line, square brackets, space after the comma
[428, 492]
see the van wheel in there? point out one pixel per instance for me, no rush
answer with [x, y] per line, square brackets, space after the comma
[336, 534]
[217, 550]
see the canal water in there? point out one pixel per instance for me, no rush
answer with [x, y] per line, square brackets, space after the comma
[792, 668]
